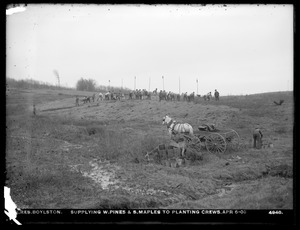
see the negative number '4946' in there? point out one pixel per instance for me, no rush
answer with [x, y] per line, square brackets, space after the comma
[275, 212]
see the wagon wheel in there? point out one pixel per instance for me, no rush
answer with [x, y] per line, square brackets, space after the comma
[215, 143]
[202, 140]
[232, 140]
[189, 140]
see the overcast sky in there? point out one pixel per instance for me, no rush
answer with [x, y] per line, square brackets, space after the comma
[237, 49]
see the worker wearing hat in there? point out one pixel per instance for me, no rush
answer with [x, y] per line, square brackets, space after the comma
[34, 110]
[257, 137]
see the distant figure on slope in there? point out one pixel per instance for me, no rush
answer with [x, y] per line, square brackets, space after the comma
[34, 110]
[77, 101]
[217, 95]
[257, 137]
[100, 96]
[107, 95]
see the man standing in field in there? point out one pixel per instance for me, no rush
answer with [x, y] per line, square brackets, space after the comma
[34, 110]
[77, 101]
[257, 137]
[216, 95]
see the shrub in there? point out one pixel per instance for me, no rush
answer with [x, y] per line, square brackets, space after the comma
[86, 85]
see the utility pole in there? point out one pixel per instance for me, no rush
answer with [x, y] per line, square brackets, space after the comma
[149, 83]
[57, 76]
[179, 85]
[163, 82]
[134, 82]
[197, 85]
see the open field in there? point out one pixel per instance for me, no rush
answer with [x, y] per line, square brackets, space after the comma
[92, 156]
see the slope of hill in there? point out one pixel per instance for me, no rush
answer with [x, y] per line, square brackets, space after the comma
[92, 155]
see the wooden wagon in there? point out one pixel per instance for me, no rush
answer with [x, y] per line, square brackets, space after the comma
[213, 140]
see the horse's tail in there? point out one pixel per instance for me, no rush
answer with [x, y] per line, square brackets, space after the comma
[191, 131]
[187, 128]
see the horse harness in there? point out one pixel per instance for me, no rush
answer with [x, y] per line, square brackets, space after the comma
[171, 125]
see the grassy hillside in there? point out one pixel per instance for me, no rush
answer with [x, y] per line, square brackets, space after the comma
[92, 156]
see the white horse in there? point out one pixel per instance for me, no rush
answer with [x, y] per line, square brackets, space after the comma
[175, 127]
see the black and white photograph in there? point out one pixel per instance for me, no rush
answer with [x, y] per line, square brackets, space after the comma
[149, 112]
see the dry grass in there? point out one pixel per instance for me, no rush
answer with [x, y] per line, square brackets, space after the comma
[266, 193]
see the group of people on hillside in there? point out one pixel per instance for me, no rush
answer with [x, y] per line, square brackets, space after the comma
[113, 95]
[208, 96]
[139, 94]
